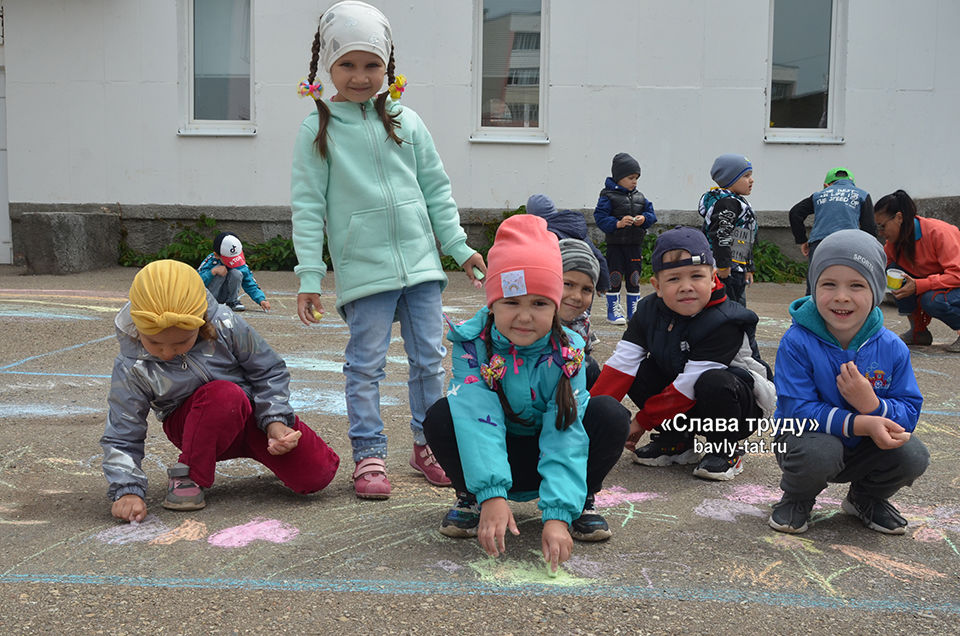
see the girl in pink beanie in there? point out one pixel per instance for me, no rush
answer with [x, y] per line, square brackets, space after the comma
[518, 422]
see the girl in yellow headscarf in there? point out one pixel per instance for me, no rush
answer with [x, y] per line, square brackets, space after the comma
[218, 388]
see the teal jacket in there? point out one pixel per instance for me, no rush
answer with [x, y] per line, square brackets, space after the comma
[384, 206]
[530, 385]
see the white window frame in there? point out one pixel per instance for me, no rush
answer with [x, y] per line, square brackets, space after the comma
[509, 134]
[836, 95]
[190, 127]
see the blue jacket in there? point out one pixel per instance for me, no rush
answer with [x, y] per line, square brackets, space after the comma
[530, 385]
[606, 217]
[839, 206]
[570, 224]
[249, 283]
[808, 363]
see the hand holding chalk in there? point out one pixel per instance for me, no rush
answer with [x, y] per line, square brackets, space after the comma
[317, 315]
[477, 273]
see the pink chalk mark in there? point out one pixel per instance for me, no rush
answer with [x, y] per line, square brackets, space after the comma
[258, 529]
[754, 494]
[724, 510]
[616, 495]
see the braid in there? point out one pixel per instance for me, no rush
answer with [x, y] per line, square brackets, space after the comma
[390, 121]
[566, 401]
[504, 404]
[323, 113]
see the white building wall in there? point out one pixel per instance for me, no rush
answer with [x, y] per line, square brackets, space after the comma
[93, 102]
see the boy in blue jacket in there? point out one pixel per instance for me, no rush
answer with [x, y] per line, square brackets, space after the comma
[224, 271]
[840, 368]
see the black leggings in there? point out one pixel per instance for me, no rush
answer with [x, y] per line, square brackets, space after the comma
[606, 421]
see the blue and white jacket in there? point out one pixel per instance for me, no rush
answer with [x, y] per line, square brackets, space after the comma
[808, 363]
[249, 283]
[530, 381]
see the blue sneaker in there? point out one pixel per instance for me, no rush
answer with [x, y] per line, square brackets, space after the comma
[462, 520]
[590, 526]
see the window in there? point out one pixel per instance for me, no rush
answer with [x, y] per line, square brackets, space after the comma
[805, 88]
[510, 43]
[216, 75]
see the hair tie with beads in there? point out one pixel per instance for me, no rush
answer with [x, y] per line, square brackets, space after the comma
[313, 90]
[396, 89]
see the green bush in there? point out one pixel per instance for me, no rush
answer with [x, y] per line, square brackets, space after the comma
[192, 243]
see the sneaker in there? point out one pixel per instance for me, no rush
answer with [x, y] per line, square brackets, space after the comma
[424, 462]
[462, 520]
[720, 467]
[876, 514]
[590, 526]
[791, 515]
[615, 314]
[236, 306]
[918, 338]
[955, 347]
[665, 451]
[182, 492]
[370, 479]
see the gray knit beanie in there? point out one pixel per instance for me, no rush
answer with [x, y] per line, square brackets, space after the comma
[728, 168]
[624, 165]
[541, 205]
[853, 248]
[578, 257]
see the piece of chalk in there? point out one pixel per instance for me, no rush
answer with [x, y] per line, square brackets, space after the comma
[551, 572]
[317, 315]
[477, 273]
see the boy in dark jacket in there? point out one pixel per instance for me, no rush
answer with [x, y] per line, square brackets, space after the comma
[624, 215]
[690, 361]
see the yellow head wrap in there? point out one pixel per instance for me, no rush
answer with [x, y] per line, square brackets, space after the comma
[167, 294]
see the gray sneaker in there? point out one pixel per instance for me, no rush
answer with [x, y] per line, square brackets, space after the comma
[791, 515]
[182, 492]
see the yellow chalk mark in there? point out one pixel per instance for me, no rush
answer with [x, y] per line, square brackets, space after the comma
[189, 530]
[899, 570]
[508, 572]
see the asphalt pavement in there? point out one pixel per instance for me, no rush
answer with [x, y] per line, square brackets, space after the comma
[687, 555]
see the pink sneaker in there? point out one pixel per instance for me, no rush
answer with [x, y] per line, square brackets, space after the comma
[423, 461]
[370, 479]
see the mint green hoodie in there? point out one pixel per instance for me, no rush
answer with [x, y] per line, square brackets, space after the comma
[384, 206]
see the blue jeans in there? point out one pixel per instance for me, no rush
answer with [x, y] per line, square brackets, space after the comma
[943, 304]
[370, 321]
[226, 288]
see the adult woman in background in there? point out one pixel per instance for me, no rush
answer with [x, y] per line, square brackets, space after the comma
[928, 251]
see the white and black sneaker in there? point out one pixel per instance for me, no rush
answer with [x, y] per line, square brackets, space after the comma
[665, 450]
[876, 514]
[720, 467]
[590, 526]
[791, 515]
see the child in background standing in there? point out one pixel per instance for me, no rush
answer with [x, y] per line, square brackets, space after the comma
[625, 215]
[225, 270]
[517, 421]
[838, 366]
[730, 224]
[366, 171]
[219, 389]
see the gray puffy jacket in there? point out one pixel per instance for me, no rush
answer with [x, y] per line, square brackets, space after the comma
[142, 381]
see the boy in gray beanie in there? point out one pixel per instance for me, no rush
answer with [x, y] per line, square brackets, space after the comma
[580, 273]
[624, 215]
[847, 397]
[730, 223]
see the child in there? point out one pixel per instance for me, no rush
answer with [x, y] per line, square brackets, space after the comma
[580, 272]
[689, 354]
[625, 215]
[730, 224]
[219, 389]
[516, 422]
[225, 269]
[366, 170]
[840, 205]
[568, 224]
[839, 367]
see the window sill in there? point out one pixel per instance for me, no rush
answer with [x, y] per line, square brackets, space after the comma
[491, 137]
[802, 137]
[231, 130]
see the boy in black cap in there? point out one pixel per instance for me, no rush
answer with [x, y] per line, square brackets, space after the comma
[686, 342]
[730, 223]
[624, 215]
[841, 205]
[224, 271]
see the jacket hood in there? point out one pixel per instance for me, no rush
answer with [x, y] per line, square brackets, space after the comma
[804, 313]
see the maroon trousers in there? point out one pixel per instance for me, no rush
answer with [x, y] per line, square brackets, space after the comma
[217, 423]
